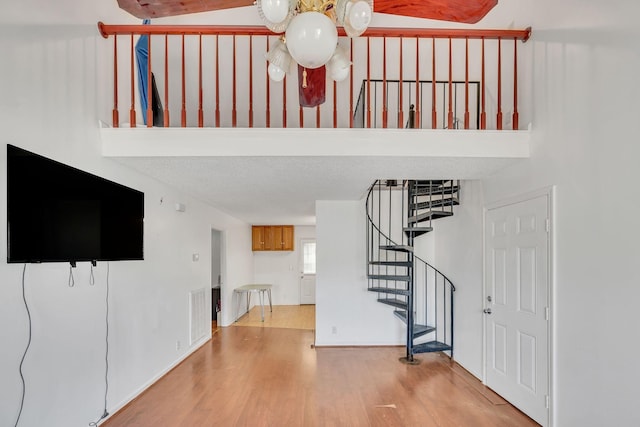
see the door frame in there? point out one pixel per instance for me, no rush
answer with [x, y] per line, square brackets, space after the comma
[550, 194]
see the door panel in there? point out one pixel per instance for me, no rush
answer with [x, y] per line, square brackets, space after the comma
[517, 271]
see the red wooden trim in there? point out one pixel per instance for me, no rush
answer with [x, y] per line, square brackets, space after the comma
[183, 118]
[258, 30]
[132, 108]
[416, 120]
[483, 112]
[300, 118]
[217, 82]
[200, 112]
[284, 102]
[434, 114]
[115, 115]
[165, 118]
[268, 93]
[335, 105]
[384, 83]
[499, 116]
[351, 83]
[250, 81]
[369, 83]
[466, 84]
[400, 100]
[149, 86]
[234, 111]
[516, 116]
[450, 112]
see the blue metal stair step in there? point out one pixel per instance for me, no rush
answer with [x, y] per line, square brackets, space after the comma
[434, 190]
[397, 278]
[393, 302]
[416, 231]
[418, 330]
[427, 216]
[394, 291]
[430, 347]
[391, 263]
[397, 248]
[434, 203]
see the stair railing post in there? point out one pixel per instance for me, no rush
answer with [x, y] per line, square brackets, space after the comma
[410, 308]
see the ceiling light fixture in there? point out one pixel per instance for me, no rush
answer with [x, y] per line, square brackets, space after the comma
[310, 36]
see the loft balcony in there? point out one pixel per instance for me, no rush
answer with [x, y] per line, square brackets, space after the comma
[421, 97]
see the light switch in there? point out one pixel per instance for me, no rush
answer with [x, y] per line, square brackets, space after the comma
[196, 257]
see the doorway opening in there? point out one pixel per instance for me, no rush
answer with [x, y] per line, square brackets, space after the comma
[216, 279]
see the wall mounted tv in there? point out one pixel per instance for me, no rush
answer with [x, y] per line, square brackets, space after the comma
[57, 213]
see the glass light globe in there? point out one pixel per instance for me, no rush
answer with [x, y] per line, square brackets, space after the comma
[359, 15]
[338, 66]
[276, 73]
[311, 39]
[275, 10]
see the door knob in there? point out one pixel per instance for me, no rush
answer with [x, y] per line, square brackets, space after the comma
[487, 311]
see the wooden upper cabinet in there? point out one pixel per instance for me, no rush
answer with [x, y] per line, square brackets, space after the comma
[258, 238]
[287, 237]
[272, 237]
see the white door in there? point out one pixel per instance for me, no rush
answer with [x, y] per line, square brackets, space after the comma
[308, 272]
[517, 304]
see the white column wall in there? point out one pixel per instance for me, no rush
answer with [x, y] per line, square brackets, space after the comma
[342, 299]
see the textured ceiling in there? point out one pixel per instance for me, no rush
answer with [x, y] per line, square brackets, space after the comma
[271, 190]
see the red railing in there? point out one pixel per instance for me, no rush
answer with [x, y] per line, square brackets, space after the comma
[231, 83]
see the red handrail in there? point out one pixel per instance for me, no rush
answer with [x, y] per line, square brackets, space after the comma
[256, 30]
[234, 90]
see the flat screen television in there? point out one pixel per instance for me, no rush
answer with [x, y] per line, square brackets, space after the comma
[57, 213]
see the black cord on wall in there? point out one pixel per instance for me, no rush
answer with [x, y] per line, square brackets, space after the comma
[105, 414]
[24, 385]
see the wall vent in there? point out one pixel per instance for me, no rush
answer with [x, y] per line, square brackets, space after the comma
[197, 315]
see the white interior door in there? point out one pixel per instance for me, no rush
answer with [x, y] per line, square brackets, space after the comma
[308, 272]
[517, 304]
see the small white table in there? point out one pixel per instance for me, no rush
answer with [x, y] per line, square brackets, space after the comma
[261, 290]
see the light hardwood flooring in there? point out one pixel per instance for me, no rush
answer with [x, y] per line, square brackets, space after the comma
[283, 316]
[261, 376]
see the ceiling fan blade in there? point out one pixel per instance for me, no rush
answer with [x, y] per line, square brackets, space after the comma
[465, 11]
[160, 8]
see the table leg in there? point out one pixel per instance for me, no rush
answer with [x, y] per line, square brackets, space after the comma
[239, 295]
[270, 306]
[261, 295]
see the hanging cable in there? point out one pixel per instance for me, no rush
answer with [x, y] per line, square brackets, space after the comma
[26, 306]
[105, 414]
[72, 281]
[92, 279]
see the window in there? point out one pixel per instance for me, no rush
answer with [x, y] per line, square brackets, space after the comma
[309, 254]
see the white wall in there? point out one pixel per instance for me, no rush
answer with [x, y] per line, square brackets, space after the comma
[342, 299]
[585, 142]
[51, 97]
[282, 269]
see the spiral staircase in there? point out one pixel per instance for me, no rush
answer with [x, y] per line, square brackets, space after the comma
[398, 212]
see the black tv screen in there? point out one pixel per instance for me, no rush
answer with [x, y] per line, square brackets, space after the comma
[57, 213]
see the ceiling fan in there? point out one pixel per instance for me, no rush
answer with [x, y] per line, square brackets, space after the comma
[464, 11]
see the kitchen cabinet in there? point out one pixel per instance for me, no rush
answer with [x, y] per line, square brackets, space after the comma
[272, 238]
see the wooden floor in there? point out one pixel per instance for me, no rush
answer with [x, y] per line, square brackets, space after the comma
[257, 376]
[283, 316]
